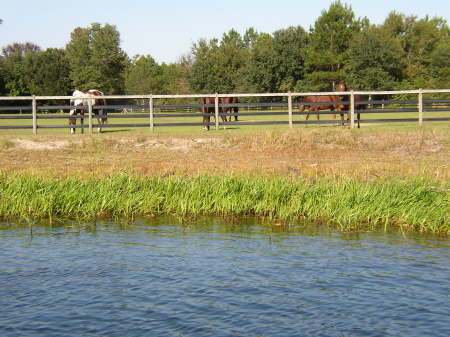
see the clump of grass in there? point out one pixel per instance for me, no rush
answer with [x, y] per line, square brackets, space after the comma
[349, 204]
[6, 144]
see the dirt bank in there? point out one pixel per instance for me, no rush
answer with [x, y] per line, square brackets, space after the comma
[315, 153]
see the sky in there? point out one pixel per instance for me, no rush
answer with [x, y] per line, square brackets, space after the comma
[167, 29]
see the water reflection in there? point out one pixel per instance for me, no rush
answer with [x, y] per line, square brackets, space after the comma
[165, 276]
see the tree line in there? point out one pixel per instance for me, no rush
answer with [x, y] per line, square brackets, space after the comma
[404, 52]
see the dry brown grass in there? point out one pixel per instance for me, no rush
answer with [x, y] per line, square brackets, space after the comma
[364, 155]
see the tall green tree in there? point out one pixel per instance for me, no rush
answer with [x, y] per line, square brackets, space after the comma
[276, 62]
[175, 77]
[425, 46]
[375, 61]
[260, 71]
[217, 66]
[96, 58]
[204, 74]
[290, 50]
[2, 79]
[143, 76]
[329, 42]
[47, 72]
[13, 71]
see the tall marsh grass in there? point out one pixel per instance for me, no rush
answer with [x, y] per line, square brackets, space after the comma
[351, 205]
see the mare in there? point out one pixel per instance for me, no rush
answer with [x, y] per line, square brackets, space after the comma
[357, 99]
[207, 111]
[330, 102]
[80, 101]
[233, 110]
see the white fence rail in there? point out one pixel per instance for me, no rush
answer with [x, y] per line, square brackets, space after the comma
[289, 95]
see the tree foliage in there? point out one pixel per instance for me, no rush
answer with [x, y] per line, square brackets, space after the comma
[96, 59]
[375, 61]
[47, 72]
[12, 67]
[404, 52]
[330, 40]
[143, 76]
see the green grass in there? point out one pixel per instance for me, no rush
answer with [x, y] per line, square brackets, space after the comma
[230, 128]
[420, 204]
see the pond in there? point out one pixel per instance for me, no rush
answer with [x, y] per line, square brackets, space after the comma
[218, 277]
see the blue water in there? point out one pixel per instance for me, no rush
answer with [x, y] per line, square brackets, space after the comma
[213, 278]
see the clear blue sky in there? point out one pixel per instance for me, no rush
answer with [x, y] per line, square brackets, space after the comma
[167, 29]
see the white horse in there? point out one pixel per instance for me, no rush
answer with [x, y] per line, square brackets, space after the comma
[81, 98]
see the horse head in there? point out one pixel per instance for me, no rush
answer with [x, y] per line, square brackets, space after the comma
[342, 86]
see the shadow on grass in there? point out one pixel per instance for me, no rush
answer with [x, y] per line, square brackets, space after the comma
[112, 131]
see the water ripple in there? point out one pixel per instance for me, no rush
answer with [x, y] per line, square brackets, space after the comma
[159, 279]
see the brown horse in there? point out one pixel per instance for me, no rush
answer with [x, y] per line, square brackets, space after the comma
[329, 102]
[233, 110]
[357, 99]
[207, 111]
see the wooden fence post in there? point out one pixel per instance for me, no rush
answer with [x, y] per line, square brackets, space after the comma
[352, 110]
[90, 115]
[150, 103]
[216, 110]
[420, 107]
[290, 109]
[34, 113]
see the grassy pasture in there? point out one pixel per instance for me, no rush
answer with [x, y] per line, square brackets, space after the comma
[120, 118]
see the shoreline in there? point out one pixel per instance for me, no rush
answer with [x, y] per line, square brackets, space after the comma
[420, 204]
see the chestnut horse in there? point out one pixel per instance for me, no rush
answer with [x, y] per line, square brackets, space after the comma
[357, 99]
[207, 111]
[233, 110]
[329, 102]
[81, 100]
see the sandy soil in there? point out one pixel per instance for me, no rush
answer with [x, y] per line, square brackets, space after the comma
[310, 153]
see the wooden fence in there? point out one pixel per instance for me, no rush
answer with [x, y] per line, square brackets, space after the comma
[154, 111]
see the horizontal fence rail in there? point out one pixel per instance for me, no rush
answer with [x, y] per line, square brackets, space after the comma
[148, 108]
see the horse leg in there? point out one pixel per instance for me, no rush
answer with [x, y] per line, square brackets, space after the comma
[236, 112]
[101, 120]
[226, 111]
[342, 117]
[82, 121]
[206, 120]
[72, 121]
[359, 117]
[224, 116]
[100, 123]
